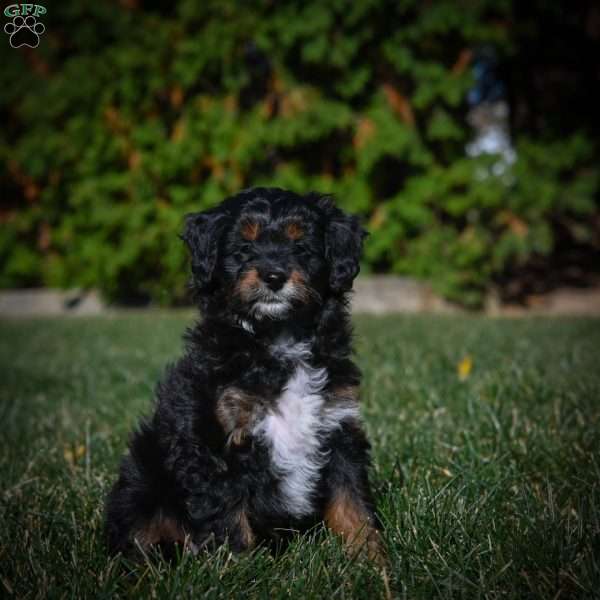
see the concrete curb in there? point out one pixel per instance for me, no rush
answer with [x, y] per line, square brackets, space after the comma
[49, 302]
[375, 295]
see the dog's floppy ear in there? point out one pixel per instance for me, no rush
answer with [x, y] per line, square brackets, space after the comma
[202, 234]
[343, 245]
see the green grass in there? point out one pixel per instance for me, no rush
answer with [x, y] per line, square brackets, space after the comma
[488, 487]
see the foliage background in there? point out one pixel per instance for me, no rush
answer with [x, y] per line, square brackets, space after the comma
[130, 114]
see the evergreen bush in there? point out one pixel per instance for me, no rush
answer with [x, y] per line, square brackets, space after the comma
[130, 114]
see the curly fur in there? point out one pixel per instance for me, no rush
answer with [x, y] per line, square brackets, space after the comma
[256, 427]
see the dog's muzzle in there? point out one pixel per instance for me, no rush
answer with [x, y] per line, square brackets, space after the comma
[272, 292]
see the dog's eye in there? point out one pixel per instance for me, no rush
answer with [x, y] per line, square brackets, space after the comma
[243, 252]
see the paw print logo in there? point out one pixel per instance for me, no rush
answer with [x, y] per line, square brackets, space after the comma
[24, 31]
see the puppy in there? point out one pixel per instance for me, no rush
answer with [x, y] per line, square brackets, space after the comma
[256, 429]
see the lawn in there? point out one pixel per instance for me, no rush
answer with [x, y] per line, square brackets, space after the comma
[486, 448]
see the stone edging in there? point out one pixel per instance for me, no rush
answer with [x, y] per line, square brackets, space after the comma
[377, 295]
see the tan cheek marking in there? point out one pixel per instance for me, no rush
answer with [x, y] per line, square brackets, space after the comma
[248, 282]
[298, 281]
[250, 230]
[297, 277]
[294, 231]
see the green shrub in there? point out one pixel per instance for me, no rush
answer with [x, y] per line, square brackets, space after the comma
[128, 116]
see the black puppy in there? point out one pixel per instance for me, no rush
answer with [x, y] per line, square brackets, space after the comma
[256, 428]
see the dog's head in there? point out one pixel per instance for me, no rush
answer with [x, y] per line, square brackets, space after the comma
[267, 252]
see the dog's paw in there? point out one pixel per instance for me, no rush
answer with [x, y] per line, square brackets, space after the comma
[238, 437]
[238, 412]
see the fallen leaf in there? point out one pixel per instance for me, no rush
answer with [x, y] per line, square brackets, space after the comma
[69, 456]
[464, 367]
[73, 454]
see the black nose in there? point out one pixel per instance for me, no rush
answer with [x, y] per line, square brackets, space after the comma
[275, 279]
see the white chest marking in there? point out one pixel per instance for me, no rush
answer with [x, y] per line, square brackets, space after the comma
[295, 428]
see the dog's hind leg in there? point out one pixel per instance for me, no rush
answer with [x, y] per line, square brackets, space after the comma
[347, 516]
[348, 509]
[136, 518]
[141, 510]
[161, 531]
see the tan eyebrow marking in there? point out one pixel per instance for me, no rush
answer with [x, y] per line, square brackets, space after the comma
[294, 231]
[250, 230]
